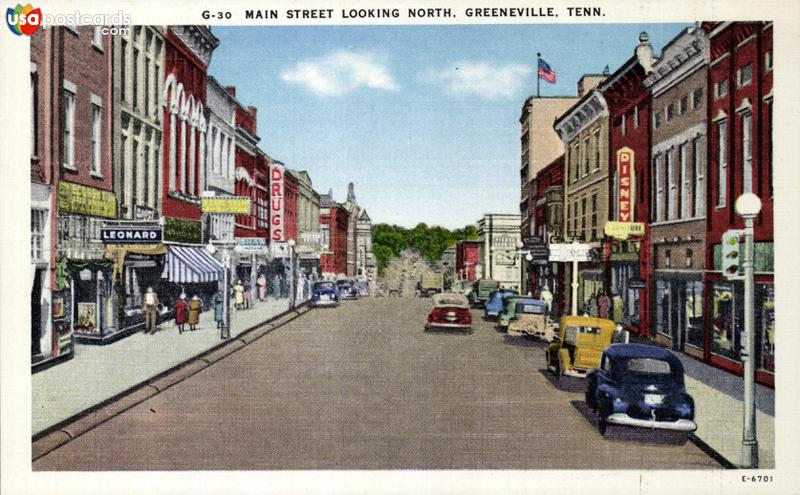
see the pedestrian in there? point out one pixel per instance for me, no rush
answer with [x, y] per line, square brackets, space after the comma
[248, 295]
[150, 310]
[238, 295]
[276, 287]
[195, 307]
[261, 282]
[219, 304]
[306, 288]
[546, 296]
[593, 310]
[181, 312]
[603, 305]
[616, 303]
[284, 286]
[299, 288]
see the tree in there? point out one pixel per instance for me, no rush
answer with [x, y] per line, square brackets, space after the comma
[390, 240]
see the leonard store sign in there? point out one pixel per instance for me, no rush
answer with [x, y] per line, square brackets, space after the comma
[276, 201]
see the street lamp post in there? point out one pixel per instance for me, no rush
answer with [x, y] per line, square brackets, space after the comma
[748, 206]
[227, 254]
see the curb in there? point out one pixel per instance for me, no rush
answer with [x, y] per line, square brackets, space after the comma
[711, 452]
[76, 425]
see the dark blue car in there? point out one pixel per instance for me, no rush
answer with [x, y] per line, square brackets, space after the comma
[324, 293]
[495, 304]
[640, 385]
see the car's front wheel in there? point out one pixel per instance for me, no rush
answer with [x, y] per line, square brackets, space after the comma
[602, 424]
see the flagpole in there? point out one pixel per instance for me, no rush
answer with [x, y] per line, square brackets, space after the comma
[538, 56]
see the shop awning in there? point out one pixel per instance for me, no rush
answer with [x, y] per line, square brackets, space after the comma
[187, 265]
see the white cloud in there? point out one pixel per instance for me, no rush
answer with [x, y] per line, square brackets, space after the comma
[482, 79]
[341, 72]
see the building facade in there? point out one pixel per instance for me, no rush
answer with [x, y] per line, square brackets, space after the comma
[468, 260]
[366, 269]
[499, 236]
[678, 192]
[584, 131]
[740, 96]
[218, 174]
[627, 272]
[309, 235]
[334, 221]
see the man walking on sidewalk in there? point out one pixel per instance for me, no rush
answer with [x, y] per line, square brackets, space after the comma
[150, 310]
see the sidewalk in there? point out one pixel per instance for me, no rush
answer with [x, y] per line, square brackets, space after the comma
[97, 373]
[719, 412]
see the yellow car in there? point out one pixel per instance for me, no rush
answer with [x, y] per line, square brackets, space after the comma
[579, 345]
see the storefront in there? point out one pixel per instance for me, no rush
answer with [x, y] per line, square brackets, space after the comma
[190, 270]
[135, 268]
[678, 318]
[625, 285]
[725, 316]
[92, 299]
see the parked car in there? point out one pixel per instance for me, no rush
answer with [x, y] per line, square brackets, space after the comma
[640, 385]
[347, 289]
[324, 293]
[481, 289]
[579, 345]
[530, 318]
[494, 305]
[450, 310]
[509, 309]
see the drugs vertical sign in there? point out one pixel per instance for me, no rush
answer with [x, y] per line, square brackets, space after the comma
[276, 204]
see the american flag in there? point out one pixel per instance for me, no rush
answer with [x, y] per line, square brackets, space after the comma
[546, 73]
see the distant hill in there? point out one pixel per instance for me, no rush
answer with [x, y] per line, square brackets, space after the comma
[390, 240]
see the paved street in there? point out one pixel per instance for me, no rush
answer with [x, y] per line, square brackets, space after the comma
[363, 387]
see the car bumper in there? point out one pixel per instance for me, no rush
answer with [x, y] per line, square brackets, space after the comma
[576, 372]
[324, 303]
[679, 425]
[460, 326]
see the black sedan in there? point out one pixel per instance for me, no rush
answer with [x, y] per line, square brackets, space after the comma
[640, 385]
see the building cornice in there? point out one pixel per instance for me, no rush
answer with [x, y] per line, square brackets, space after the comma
[681, 58]
[584, 113]
[198, 39]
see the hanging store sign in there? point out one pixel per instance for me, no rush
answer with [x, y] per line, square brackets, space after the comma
[625, 185]
[238, 205]
[131, 235]
[570, 252]
[183, 231]
[276, 205]
[623, 230]
[84, 200]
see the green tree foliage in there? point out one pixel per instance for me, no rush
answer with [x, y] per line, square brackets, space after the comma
[390, 240]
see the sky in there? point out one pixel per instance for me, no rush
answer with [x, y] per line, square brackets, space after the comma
[424, 120]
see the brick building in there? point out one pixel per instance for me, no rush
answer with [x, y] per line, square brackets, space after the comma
[678, 191]
[627, 270]
[740, 96]
[547, 216]
[468, 260]
[334, 219]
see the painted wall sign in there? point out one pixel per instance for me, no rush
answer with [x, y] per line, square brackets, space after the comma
[234, 205]
[179, 230]
[84, 200]
[276, 205]
[625, 185]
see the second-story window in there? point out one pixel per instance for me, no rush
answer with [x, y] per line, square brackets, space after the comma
[68, 132]
[586, 155]
[744, 75]
[697, 98]
[721, 89]
[97, 126]
[722, 162]
[747, 153]
[596, 137]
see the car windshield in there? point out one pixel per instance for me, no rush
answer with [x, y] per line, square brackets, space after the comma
[324, 286]
[572, 331]
[639, 370]
[530, 309]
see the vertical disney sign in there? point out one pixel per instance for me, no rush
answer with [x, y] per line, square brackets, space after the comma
[276, 205]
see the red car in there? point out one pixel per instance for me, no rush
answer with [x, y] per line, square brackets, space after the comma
[450, 311]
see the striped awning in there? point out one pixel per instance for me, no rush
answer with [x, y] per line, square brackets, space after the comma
[188, 264]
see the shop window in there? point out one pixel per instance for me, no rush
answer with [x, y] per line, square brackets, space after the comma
[38, 221]
[765, 325]
[724, 337]
[695, 323]
[663, 306]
